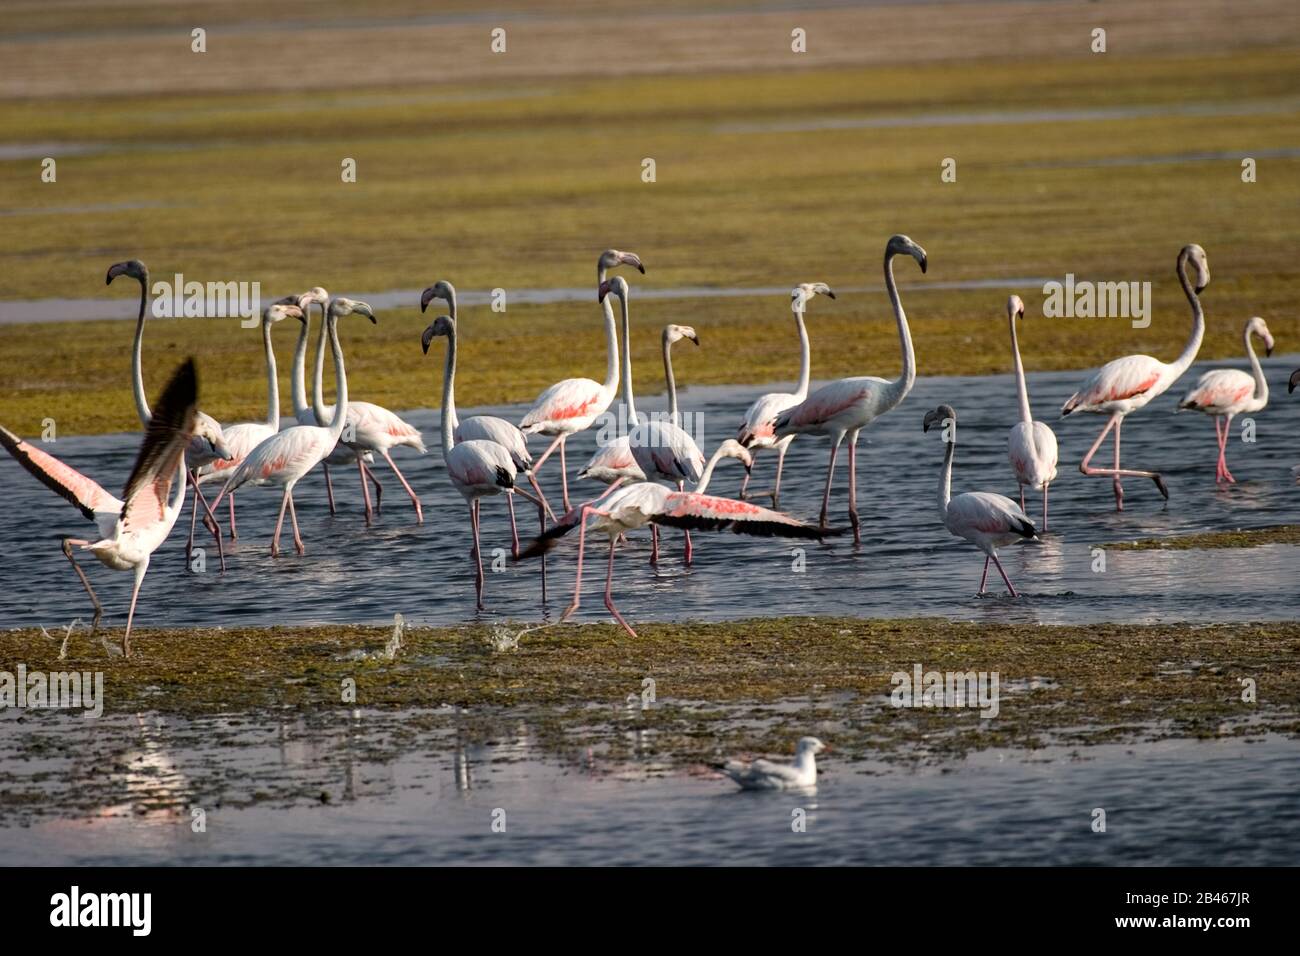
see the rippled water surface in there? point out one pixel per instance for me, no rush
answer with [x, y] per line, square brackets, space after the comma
[907, 564]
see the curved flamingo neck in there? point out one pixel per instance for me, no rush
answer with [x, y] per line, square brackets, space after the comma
[707, 474]
[805, 357]
[611, 350]
[629, 400]
[449, 395]
[137, 364]
[298, 374]
[899, 388]
[1198, 322]
[272, 380]
[945, 477]
[1022, 390]
[318, 387]
[670, 379]
[1261, 383]
[341, 406]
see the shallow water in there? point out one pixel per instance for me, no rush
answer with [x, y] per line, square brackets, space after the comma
[1230, 802]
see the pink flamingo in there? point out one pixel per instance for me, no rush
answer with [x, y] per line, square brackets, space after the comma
[208, 444]
[1031, 446]
[342, 455]
[477, 467]
[574, 404]
[369, 428]
[846, 406]
[286, 456]
[133, 527]
[756, 430]
[1127, 384]
[613, 462]
[243, 437]
[986, 520]
[626, 508]
[1225, 392]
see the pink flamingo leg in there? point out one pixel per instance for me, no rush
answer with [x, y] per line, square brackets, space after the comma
[853, 488]
[1022, 497]
[564, 475]
[609, 589]
[1116, 422]
[329, 487]
[130, 614]
[1004, 575]
[654, 544]
[514, 529]
[744, 485]
[830, 476]
[537, 465]
[85, 582]
[780, 466]
[379, 490]
[230, 503]
[419, 511]
[293, 517]
[1223, 454]
[532, 480]
[209, 520]
[478, 554]
[582, 547]
[1220, 441]
[279, 523]
[1045, 487]
[365, 490]
[984, 577]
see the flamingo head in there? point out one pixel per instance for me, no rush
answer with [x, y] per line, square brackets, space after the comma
[131, 267]
[941, 416]
[279, 311]
[1015, 308]
[1256, 326]
[804, 291]
[675, 333]
[208, 430]
[734, 449]
[339, 307]
[1196, 256]
[616, 285]
[442, 325]
[315, 295]
[613, 257]
[442, 289]
[902, 245]
[809, 745]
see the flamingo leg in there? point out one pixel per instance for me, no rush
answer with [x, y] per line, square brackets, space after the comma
[293, 516]
[654, 544]
[419, 511]
[210, 520]
[379, 490]
[478, 554]
[557, 442]
[853, 488]
[564, 474]
[690, 551]
[514, 529]
[230, 503]
[541, 522]
[744, 485]
[1218, 440]
[1223, 454]
[85, 582]
[130, 614]
[279, 523]
[780, 466]
[1022, 496]
[1004, 575]
[1045, 487]
[329, 487]
[532, 480]
[830, 476]
[582, 547]
[609, 589]
[1116, 422]
[984, 577]
[365, 491]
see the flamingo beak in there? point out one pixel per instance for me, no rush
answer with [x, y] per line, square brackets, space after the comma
[114, 271]
[219, 447]
[830, 294]
[1293, 382]
[602, 291]
[631, 259]
[426, 297]
[695, 339]
[426, 338]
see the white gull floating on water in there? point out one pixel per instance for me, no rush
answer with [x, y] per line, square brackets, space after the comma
[766, 775]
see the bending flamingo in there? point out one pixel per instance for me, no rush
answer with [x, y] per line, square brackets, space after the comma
[133, 527]
[986, 520]
[1031, 446]
[846, 406]
[574, 404]
[208, 444]
[629, 507]
[1225, 392]
[477, 468]
[1126, 384]
[756, 430]
[286, 456]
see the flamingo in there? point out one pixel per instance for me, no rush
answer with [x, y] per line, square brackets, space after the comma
[1126, 384]
[209, 443]
[486, 427]
[766, 775]
[574, 404]
[663, 450]
[613, 462]
[286, 456]
[846, 406]
[342, 454]
[984, 519]
[1031, 445]
[477, 467]
[243, 437]
[756, 429]
[623, 509]
[133, 527]
[370, 428]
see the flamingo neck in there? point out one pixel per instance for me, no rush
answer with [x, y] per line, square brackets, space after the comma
[899, 388]
[1022, 390]
[611, 349]
[137, 365]
[945, 477]
[629, 400]
[318, 387]
[1261, 383]
[341, 405]
[272, 380]
[805, 357]
[670, 379]
[449, 395]
[707, 474]
[298, 375]
[1198, 322]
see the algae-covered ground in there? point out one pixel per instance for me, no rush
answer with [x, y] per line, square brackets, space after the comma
[1236, 538]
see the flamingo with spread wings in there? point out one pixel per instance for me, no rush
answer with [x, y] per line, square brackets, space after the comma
[133, 527]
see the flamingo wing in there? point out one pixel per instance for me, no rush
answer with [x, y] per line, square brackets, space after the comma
[1116, 381]
[760, 420]
[493, 429]
[571, 400]
[691, 510]
[62, 479]
[1219, 389]
[170, 429]
[987, 513]
[479, 464]
[826, 403]
[376, 427]
[611, 460]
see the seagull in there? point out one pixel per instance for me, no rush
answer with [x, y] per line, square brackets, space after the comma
[766, 775]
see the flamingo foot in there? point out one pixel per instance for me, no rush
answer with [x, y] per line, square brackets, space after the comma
[1119, 494]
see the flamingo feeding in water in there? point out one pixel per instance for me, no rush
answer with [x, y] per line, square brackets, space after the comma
[846, 406]
[1225, 392]
[283, 458]
[208, 444]
[986, 520]
[574, 404]
[1126, 384]
[626, 508]
[756, 430]
[133, 527]
[477, 467]
[1031, 445]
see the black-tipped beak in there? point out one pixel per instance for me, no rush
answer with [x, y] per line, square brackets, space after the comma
[925, 262]
[930, 419]
[114, 271]
[1268, 351]
[426, 338]
[425, 298]
[640, 268]
[830, 294]
[1200, 289]
[695, 339]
